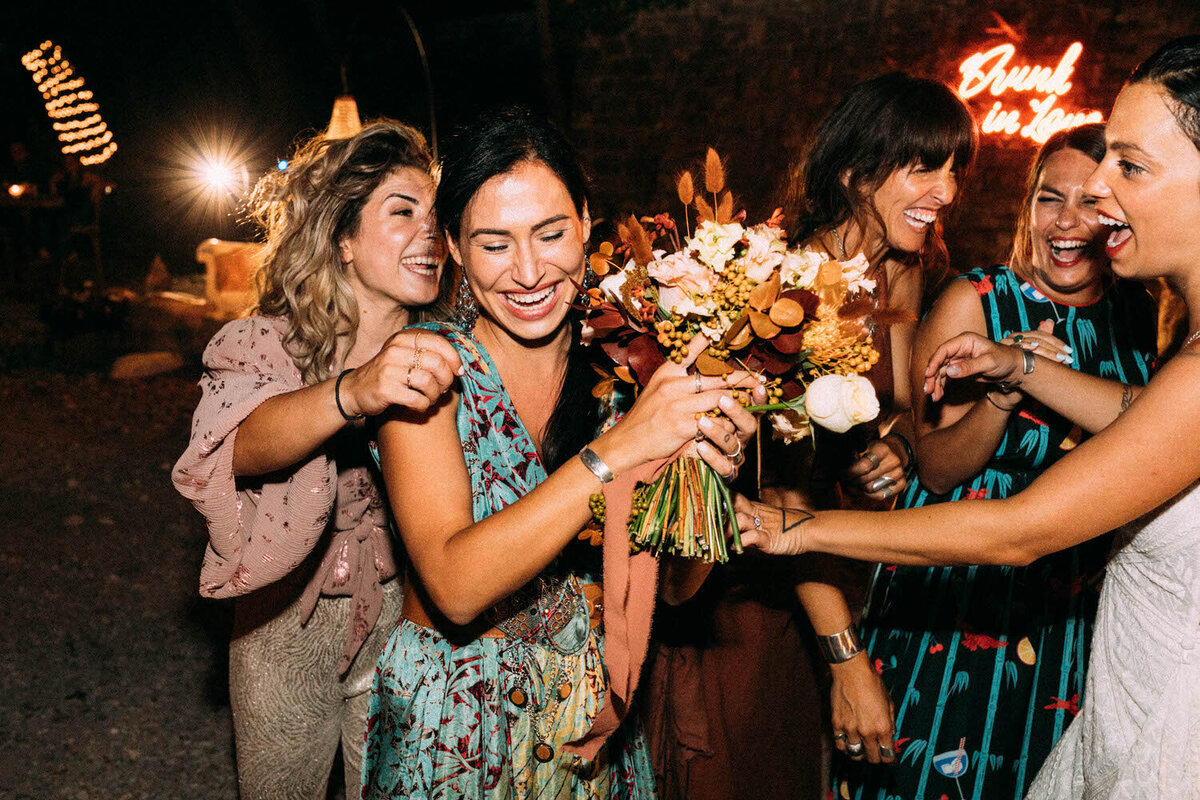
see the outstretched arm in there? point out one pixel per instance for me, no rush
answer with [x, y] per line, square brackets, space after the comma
[1145, 458]
[1090, 402]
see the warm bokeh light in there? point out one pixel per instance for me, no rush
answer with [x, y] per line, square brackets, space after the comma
[16, 190]
[76, 116]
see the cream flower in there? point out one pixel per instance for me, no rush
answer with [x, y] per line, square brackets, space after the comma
[799, 268]
[714, 243]
[765, 251]
[613, 285]
[854, 272]
[839, 402]
[684, 303]
[684, 272]
[790, 425]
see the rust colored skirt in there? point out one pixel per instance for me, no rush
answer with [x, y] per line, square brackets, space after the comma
[734, 697]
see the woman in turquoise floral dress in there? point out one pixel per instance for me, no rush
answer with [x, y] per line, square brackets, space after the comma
[986, 664]
[498, 662]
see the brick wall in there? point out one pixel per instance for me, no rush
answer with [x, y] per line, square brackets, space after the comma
[754, 77]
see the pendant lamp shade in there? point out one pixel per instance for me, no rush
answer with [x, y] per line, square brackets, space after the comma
[344, 121]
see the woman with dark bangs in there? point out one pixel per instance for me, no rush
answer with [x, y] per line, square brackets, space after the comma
[882, 168]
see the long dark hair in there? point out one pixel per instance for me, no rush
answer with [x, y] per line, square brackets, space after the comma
[883, 124]
[493, 145]
[1176, 67]
[1087, 139]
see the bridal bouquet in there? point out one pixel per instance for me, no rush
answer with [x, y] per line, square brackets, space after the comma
[795, 318]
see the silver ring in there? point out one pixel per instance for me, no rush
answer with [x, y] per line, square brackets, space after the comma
[874, 459]
[888, 492]
[736, 453]
[855, 749]
[880, 483]
[758, 526]
[886, 752]
[839, 737]
[699, 384]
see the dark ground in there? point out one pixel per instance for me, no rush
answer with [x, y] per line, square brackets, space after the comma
[112, 668]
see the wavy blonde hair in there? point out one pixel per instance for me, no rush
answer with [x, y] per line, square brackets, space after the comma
[304, 212]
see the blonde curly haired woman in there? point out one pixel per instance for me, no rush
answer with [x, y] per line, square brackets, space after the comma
[277, 461]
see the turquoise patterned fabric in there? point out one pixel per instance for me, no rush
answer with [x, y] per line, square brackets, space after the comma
[478, 719]
[986, 664]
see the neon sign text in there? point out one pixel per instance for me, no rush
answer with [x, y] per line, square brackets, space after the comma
[990, 71]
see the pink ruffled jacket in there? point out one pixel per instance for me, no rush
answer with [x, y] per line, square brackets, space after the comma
[262, 528]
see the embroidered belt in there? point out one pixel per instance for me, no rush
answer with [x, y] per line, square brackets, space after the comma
[416, 604]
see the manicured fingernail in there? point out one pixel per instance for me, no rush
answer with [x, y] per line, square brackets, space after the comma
[726, 403]
[462, 370]
[953, 371]
[1033, 345]
[1067, 349]
[706, 423]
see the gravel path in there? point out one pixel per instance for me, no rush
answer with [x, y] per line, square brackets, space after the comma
[112, 668]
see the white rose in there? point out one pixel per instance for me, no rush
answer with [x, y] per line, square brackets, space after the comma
[838, 402]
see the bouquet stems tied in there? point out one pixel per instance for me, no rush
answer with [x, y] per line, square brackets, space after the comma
[685, 512]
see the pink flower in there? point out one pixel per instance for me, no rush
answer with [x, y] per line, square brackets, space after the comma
[765, 251]
[683, 272]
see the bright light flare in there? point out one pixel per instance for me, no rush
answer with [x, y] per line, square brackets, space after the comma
[219, 175]
[16, 190]
[209, 172]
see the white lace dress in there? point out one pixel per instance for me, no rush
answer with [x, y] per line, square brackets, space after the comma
[1138, 735]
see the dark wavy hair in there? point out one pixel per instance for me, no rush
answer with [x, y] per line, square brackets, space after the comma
[883, 124]
[494, 144]
[1176, 67]
[1087, 139]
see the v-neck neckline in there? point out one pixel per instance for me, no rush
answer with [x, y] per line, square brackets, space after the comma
[490, 364]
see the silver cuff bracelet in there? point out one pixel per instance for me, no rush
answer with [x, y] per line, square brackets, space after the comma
[840, 646]
[596, 465]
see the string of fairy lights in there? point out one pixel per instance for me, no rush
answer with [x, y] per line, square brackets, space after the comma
[72, 108]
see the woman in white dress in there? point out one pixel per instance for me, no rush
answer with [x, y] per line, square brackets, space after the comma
[1138, 734]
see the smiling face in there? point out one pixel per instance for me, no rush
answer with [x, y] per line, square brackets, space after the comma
[1067, 238]
[908, 202]
[1148, 187]
[521, 246]
[395, 257]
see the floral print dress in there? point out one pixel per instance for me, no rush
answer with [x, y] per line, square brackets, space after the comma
[986, 664]
[488, 718]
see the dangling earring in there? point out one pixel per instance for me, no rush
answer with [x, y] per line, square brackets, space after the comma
[466, 310]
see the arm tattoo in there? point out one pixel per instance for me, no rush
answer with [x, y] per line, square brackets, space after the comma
[804, 517]
[1126, 398]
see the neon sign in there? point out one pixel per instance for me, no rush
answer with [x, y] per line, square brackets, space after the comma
[990, 71]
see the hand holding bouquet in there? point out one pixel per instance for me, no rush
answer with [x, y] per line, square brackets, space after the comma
[793, 318]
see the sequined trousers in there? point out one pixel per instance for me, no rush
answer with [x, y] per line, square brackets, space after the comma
[291, 710]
